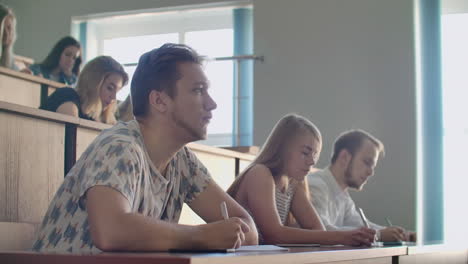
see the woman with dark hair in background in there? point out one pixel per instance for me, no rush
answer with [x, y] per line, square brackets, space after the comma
[63, 62]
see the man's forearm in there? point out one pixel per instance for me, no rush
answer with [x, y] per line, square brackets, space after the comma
[139, 233]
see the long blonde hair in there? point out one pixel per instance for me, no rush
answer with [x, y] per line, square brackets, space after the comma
[89, 87]
[272, 154]
[6, 56]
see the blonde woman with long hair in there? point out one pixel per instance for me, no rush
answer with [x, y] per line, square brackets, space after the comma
[273, 187]
[94, 97]
[8, 36]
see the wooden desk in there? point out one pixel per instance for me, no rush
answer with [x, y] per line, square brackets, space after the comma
[25, 89]
[335, 255]
[32, 148]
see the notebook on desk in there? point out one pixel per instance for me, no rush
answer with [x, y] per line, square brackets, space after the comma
[298, 245]
[255, 248]
[393, 244]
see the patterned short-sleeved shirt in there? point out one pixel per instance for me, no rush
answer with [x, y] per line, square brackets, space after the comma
[117, 158]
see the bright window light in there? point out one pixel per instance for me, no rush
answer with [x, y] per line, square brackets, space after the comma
[128, 50]
[220, 74]
[208, 30]
[455, 108]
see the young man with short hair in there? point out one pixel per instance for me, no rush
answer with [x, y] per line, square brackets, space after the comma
[353, 161]
[126, 191]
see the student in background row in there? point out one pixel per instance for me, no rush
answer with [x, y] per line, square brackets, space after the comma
[273, 186]
[124, 110]
[62, 64]
[353, 161]
[126, 191]
[8, 38]
[94, 97]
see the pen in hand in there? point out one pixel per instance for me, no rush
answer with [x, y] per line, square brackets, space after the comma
[363, 218]
[388, 221]
[224, 211]
[404, 234]
[366, 223]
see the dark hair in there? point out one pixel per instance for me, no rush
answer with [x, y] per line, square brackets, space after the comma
[157, 70]
[352, 141]
[53, 59]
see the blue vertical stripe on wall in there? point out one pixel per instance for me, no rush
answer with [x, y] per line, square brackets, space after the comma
[432, 126]
[243, 45]
[82, 38]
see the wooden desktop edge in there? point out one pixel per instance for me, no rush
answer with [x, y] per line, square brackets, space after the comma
[83, 123]
[31, 78]
[325, 255]
[24, 59]
[38, 113]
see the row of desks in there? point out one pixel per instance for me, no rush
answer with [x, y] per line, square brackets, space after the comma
[25, 89]
[336, 255]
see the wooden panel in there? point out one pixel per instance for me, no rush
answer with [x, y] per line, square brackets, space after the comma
[25, 60]
[446, 257]
[243, 164]
[189, 217]
[219, 151]
[16, 236]
[30, 78]
[84, 137]
[221, 168]
[22, 92]
[31, 166]
[245, 149]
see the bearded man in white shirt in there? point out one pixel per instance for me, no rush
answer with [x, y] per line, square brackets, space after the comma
[354, 159]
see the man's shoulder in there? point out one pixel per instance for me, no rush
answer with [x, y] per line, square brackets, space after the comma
[188, 157]
[316, 178]
[123, 131]
[119, 137]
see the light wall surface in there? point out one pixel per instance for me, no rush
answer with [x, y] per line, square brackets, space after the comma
[344, 64]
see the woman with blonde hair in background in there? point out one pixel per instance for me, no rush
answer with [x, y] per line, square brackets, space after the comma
[94, 97]
[8, 37]
[273, 186]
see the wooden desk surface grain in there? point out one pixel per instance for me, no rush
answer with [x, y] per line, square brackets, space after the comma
[31, 78]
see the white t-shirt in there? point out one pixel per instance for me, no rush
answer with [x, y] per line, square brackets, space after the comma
[334, 206]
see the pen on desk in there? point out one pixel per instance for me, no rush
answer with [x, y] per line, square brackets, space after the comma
[363, 217]
[224, 211]
[388, 221]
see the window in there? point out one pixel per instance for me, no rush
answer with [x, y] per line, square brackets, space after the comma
[209, 31]
[455, 92]
[118, 49]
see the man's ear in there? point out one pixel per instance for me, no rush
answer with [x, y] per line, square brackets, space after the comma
[344, 157]
[159, 101]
